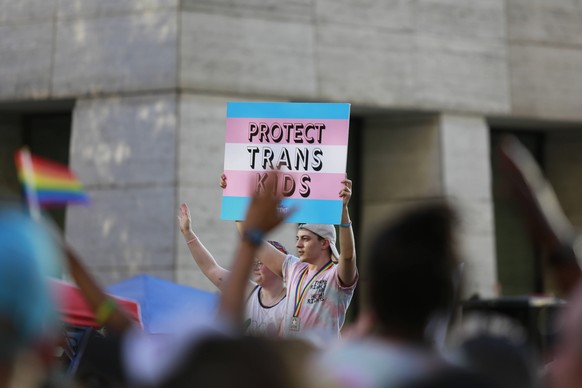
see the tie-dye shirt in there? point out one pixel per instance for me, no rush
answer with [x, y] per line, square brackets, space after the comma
[324, 306]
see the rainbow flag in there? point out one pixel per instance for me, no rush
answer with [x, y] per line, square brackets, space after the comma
[48, 183]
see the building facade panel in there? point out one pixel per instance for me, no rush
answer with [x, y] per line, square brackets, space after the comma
[81, 9]
[125, 141]
[545, 22]
[116, 54]
[250, 56]
[365, 65]
[274, 10]
[27, 11]
[131, 228]
[545, 82]
[123, 149]
[461, 74]
[25, 60]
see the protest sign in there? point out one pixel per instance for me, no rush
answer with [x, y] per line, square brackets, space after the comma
[308, 142]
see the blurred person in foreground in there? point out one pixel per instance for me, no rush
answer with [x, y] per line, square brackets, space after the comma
[410, 271]
[231, 361]
[562, 244]
[496, 348]
[210, 351]
[565, 371]
[27, 314]
[265, 305]
[320, 281]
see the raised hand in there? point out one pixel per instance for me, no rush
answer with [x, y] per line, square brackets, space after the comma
[545, 219]
[346, 192]
[184, 219]
[264, 212]
[222, 181]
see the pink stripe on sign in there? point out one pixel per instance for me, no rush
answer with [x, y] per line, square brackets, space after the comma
[321, 186]
[287, 131]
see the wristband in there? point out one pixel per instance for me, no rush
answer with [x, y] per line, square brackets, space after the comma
[195, 238]
[254, 236]
[105, 310]
[346, 225]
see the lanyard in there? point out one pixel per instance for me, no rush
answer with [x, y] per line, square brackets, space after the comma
[300, 293]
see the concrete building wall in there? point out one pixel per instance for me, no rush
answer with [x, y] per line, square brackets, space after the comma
[545, 58]
[124, 148]
[151, 79]
[55, 49]
[466, 174]
[390, 54]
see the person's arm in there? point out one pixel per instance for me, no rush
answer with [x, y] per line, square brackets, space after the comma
[544, 217]
[106, 311]
[262, 217]
[208, 265]
[267, 254]
[347, 270]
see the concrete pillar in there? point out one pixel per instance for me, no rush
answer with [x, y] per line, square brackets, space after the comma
[466, 177]
[124, 151]
[414, 159]
[401, 168]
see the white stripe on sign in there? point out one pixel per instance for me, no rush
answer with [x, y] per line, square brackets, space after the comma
[300, 158]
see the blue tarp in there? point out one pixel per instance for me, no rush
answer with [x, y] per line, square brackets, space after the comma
[166, 306]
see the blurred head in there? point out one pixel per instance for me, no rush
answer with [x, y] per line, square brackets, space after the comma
[315, 241]
[27, 255]
[410, 270]
[227, 362]
[493, 345]
[452, 378]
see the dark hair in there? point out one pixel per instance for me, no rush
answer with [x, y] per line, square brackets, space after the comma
[278, 246]
[232, 362]
[508, 363]
[452, 377]
[410, 269]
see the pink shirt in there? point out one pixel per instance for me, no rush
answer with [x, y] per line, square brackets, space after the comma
[325, 302]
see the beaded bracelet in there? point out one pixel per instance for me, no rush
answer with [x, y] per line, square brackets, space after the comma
[105, 310]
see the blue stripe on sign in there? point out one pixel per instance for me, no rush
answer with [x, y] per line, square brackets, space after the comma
[288, 110]
[314, 211]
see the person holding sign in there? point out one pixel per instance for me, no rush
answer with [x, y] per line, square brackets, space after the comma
[320, 281]
[266, 301]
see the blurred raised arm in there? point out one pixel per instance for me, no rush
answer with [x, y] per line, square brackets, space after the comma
[267, 254]
[262, 217]
[347, 270]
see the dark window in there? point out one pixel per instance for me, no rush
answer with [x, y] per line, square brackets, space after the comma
[519, 264]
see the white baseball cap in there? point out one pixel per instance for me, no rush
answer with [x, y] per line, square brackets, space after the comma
[325, 231]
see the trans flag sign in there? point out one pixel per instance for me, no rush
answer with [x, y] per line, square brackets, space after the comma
[307, 142]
